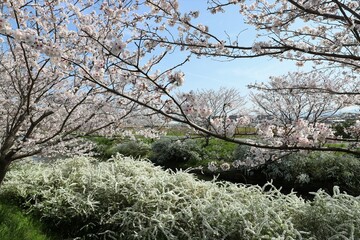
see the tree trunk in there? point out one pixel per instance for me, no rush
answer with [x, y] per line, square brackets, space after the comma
[207, 141]
[4, 164]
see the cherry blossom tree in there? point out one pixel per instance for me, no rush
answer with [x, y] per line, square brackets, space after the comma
[219, 111]
[68, 61]
[306, 32]
[54, 76]
[72, 68]
[47, 110]
[320, 34]
[286, 105]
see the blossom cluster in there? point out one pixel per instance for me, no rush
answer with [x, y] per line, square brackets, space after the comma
[177, 78]
[354, 130]
[5, 26]
[117, 46]
[302, 133]
[30, 37]
[224, 126]
[213, 166]
[192, 106]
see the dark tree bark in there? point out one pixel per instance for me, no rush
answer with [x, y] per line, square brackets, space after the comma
[4, 165]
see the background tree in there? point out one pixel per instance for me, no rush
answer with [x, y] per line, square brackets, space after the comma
[212, 105]
[286, 105]
[320, 34]
[280, 36]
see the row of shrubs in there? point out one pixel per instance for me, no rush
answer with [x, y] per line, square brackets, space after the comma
[307, 171]
[125, 198]
[319, 169]
[168, 151]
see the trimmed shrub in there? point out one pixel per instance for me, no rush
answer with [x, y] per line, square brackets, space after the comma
[106, 148]
[131, 148]
[131, 199]
[103, 146]
[319, 168]
[241, 152]
[172, 153]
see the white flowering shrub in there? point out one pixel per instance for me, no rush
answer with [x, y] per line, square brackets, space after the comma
[331, 217]
[131, 199]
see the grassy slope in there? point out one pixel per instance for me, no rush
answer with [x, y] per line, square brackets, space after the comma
[15, 225]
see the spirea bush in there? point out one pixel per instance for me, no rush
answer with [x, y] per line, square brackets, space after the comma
[125, 198]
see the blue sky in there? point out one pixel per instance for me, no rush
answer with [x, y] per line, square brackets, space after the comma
[206, 73]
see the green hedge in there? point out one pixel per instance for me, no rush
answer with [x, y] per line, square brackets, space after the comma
[319, 169]
[174, 153]
[131, 199]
